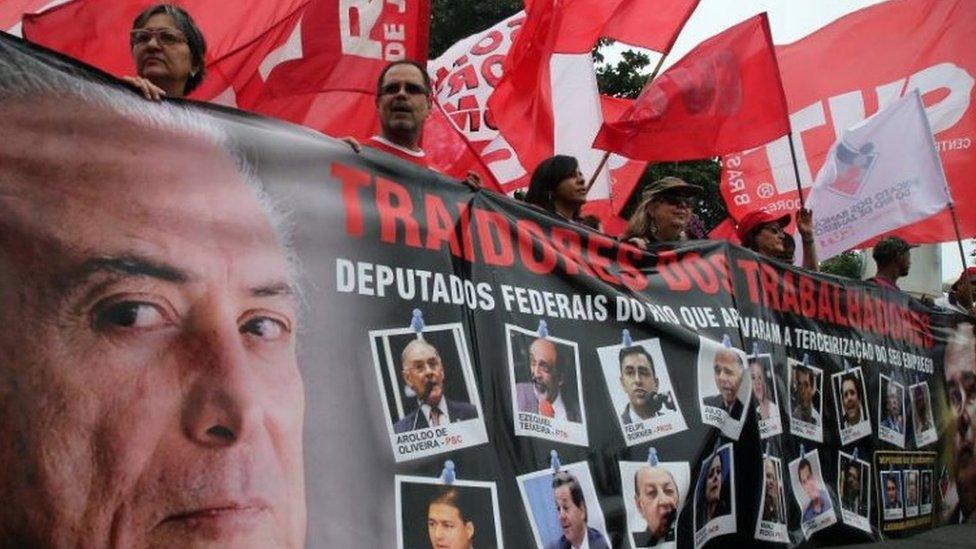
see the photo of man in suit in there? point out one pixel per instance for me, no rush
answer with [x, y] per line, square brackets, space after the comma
[893, 408]
[639, 381]
[656, 497]
[423, 371]
[805, 387]
[544, 394]
[728, 369]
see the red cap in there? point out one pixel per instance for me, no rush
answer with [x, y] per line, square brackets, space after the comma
[757, 218]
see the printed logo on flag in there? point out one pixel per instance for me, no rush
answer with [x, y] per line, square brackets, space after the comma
[853, 168]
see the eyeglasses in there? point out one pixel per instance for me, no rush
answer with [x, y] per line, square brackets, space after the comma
[411, 88]
[164, 37]
[678, 200]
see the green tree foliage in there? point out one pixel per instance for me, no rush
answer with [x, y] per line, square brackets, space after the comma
[848, 264]
[452, 20]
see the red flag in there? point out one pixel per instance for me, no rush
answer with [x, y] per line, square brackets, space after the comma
[865, 61]
[332, 86]
[238, 38]
[725, 95]
[545, 74]
[11, 12]
[449, 151]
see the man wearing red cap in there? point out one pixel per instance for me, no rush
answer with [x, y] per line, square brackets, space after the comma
[762, 232]
[960, 296]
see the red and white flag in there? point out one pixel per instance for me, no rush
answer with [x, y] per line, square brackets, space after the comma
[837, 76]
[725, 95]
[882, 174]
[545, 73]
[240, 37]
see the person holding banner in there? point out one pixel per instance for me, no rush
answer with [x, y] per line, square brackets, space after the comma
[558, 187]
[894, 260]
[663, 214]
[762, 232]
[168, 50]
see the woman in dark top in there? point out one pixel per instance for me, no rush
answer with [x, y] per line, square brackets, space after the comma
[168, 50]
[557, 186]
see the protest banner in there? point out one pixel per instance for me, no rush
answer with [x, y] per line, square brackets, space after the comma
[225, 327]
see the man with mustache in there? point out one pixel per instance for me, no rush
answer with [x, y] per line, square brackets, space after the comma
[544, 394]
[656, 498]
[423, 371]
[638, 380]
[851, 399]
[150, 394]
[728, 370]
[403, 103]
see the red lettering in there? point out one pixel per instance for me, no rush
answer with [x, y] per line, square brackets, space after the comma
[495, 238]
[530, 239]
[701, 272]
[494, 40]
[466, 115]
[630, 275]
[352, 179]
[466, 238]
[808, 298]
[394, 204]
[790, 302]
[825, 313]
[492, 69]
[670, 270]
[750, 271]
[595, 244]
[465, 77]
[769, 280]
[853, 309]
[721, 264]
[839, 316]
[570, 250]
[440, 225]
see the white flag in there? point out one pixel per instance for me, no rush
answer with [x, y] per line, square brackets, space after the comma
[882, 174]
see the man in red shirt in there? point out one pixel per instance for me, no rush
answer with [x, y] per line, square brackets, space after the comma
[403, 103]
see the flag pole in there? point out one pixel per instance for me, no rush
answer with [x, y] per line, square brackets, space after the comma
[955, 225]
[606, 155]
[796, 168]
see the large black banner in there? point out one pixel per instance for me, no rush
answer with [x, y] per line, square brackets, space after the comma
[222, 328]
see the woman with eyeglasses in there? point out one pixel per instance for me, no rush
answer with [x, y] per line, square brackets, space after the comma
[558, 186]
[664, 213]
[168, 50]
[763, 233]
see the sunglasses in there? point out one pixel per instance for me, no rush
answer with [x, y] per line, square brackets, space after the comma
[677, 200]
[164, 37]
[394, 88]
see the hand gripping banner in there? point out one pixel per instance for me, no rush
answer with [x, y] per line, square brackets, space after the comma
[220, 327]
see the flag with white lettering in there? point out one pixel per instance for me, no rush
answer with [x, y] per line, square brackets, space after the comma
[852, 68]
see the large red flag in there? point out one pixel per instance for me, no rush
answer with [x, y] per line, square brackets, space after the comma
[11, 12]
[239, 37]
[451, 153]
[344, 46]
[725, 95]
[544, 73]
[850, 69]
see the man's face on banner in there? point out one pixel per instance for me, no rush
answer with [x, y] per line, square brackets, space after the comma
[771, 484]
[851, 401]
[804, 387]
[758, 381]
[891, 491]
[149, 389]
[852, 480]
[447, 529]
[545, 369]
[960, 375]
[423, 371]
[892, 402]
[728, 374]
[637, 378]
[657, 499]
[809, 483]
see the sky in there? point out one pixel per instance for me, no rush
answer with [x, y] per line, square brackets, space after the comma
[789, 21]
